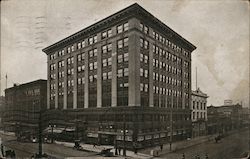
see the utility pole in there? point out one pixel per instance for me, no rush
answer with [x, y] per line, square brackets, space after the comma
[124, 135]
[40, 134]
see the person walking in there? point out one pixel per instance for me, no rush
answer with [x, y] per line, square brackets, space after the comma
[161, 146]
[119, 150]
[183, 156]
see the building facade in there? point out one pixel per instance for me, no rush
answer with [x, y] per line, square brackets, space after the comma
[224, 118]
[23, 104]
[199, 113]
[128, 70]
[2, 107]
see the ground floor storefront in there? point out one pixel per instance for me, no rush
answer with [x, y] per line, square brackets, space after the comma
[119, 126]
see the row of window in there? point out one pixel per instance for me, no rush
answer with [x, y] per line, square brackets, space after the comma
[199, 115]
[91, 40]
[163, 40]
[166, 42]
[169, 80]
[199, 105]
[165, 54]
[166, 91]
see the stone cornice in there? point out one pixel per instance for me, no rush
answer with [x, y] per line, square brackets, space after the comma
[134, 10]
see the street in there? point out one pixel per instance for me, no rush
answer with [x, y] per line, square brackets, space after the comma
[24, 150]
[229, 147]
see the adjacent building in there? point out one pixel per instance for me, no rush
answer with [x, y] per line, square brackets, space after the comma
[128, 72]
[23, 104]
[224, 118]
[2, 107]
[199, 113]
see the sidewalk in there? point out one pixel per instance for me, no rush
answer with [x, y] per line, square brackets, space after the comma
[178, 145]
[89, 147]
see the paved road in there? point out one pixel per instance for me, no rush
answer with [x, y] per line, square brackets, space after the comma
[228, 148]
[24, 150]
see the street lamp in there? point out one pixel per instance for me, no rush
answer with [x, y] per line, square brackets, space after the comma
[52, 132]
[124, 131]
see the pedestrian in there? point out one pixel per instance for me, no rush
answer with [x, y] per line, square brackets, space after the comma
[135, 150]
[206, 156]
[94, 145]
[161, 147]
[119, 150]
[183, 156]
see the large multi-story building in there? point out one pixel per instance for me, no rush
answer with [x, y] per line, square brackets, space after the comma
[23, 104]
[129, 71]
[199, 113]
[224, 118]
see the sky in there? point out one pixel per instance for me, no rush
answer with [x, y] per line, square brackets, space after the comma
[218, 28]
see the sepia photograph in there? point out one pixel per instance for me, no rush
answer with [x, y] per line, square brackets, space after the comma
[124, 79]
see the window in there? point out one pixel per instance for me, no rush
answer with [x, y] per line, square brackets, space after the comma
[144, 28]
[83, 44]
[80, 57]
[53, 56]
[119, 73]
[95, 65]
[61, 53]
[61, 74]
[70, 71]
[52, 67]
[106, 34]
[93, 52]
[104, 76]
[119, 28]
[146, 87]
[91, 78]
[93, 39]
[122, 27]
[106, 48]
[119, 58]
[90, 40]
[141, 72]
[79, 45]
[144, 43]
[80, 68]
[122, 43]
[104, 62]
[91, 66]
[61, 64]
[125, 56]
[141, 86]
[70, 60]
[110, 75]
[141, 57]
[81, 80]
[109, 61]
[145, 73]
[125, 71]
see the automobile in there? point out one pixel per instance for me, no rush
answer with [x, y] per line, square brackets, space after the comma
[34, 139]
[244, 155]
